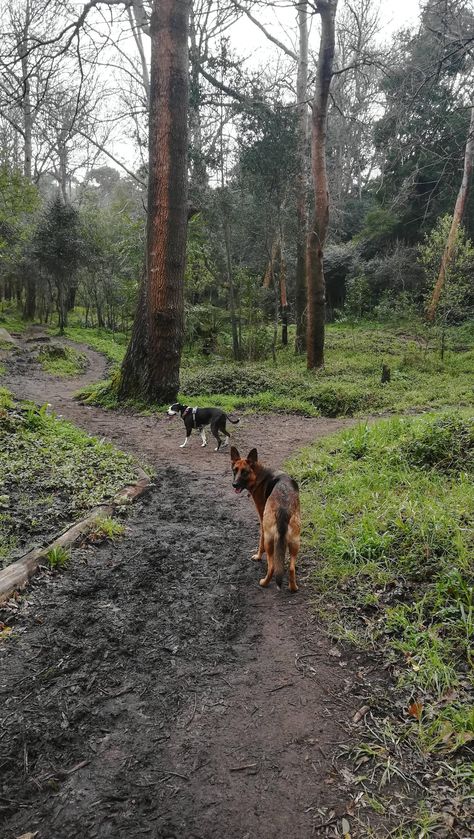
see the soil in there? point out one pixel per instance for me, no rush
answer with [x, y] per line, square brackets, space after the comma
[152, 688]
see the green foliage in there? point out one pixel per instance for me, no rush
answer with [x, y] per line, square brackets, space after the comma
[104, 528]
[457, 298]
[112, 344]
[447, 444]
[19, 201]
[61, 360]
[389, 529]
[57, 558]
[349, 385]
[358, 300]
[113, 238]
[50, 472]
[380, 224]
[226, 379]
[58, 243]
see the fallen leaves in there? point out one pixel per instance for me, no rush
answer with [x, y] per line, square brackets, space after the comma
[415, 709]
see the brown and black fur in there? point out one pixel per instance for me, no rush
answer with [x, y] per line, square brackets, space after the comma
[276, 498]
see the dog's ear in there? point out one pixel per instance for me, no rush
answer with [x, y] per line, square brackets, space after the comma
[252, 456]
[234, 454]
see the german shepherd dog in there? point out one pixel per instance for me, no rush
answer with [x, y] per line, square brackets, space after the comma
[200, 417]
[277, 500]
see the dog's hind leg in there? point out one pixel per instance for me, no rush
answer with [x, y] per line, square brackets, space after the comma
[261, 547]
[215, 433]
[269, 548]
[294, 548]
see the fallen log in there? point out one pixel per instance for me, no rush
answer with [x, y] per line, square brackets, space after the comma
[15, 576]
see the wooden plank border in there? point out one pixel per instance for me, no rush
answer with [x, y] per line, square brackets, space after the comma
[15, 576]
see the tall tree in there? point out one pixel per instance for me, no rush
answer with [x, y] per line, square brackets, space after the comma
[317, 236]
[301, 177]
[457, 219]
[151, 366]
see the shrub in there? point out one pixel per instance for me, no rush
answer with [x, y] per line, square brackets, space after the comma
[226, 379]
[446, 444]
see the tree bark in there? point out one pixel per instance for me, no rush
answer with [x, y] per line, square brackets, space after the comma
[150, 370]
[317, 235]
[26, 100]
[29, 307]
[301, 204]
[458, 215]
[283, 298]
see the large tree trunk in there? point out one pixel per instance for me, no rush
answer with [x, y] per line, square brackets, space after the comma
[317, 236]
[150, 370]
[301, 209]
[457, 219]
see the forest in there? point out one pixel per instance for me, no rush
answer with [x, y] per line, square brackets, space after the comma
[263, 206]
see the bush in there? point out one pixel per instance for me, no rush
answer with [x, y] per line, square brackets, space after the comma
[446, 444]
[226, 379]
[342, 401]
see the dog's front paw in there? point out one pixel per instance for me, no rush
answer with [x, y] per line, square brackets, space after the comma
[256, 557]
[263, 582]
[203, 445]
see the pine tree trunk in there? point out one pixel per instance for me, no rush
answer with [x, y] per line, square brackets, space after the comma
[150, 370]
[458, 215]
[317, 236]
[301, 206]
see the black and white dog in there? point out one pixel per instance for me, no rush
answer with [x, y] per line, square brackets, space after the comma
[198, 418]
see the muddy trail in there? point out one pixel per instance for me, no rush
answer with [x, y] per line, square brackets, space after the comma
[153, 689]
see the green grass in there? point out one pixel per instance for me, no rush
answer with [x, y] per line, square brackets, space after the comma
[349, 385]
[104, 528]
[62, 360]
[11, 319]
[51, 473]
[57, 558]
[388, 512]
[112, 344]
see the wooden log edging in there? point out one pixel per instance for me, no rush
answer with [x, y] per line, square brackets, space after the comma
[16, 576]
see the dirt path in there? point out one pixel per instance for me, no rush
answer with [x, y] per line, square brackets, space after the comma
[154, 689]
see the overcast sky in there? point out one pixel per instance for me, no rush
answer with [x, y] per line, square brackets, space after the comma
[249, 42]
[247, 38]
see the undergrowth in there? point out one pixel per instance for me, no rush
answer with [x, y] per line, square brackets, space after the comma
[50, 474]
[61, 360]
[349, 385]
[388, 511]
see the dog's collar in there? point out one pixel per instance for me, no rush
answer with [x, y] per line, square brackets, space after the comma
[186, 412]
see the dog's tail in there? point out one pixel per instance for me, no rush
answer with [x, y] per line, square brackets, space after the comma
[283, 519]
[234, 421]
